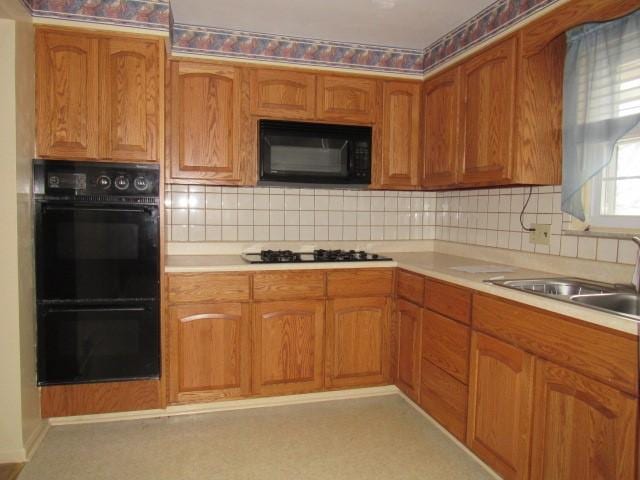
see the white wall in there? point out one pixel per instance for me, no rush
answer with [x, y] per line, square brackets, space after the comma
[20, 422]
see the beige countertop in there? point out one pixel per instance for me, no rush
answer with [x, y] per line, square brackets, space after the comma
[432, 264]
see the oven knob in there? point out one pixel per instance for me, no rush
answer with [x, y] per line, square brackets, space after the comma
[54, 181]
[103, 182]
[141, 183]
[121, 182]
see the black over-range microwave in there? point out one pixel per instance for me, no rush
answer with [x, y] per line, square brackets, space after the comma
[313, 153]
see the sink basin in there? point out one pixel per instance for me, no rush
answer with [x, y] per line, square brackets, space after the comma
[624, 303]
[557, 287]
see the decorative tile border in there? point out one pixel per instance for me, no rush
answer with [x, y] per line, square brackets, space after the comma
[156, 14]
[494, 19]
[232, 43]
[152, 14]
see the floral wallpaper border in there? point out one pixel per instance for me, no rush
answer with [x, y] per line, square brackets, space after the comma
[156, 14]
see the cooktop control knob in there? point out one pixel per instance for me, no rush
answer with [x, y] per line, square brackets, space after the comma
[103, 181]
[141, 183]
[121, 182]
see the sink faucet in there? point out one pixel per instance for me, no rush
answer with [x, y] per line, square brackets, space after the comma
[635, 281]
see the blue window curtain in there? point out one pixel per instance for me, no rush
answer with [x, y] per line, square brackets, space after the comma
[601, 100]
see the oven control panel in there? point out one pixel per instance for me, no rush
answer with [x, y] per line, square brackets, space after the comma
[62, 178]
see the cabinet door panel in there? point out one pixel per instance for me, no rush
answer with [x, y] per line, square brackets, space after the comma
[445, 343]
[582, 428]
[346, 99]
[283, 94]
[210, 352]
[400, 134]
[288, 346]
[131, 89]
[442, 116]
[357, 342]
[205, 105]
[500, 402]
[67, 95]
[409, 319]
[489, 81]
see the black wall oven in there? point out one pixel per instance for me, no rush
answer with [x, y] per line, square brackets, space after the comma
[313, 153]
[97, 235]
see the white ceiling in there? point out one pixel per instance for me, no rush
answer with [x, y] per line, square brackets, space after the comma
[396, 23]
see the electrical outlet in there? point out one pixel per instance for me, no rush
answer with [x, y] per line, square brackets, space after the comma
[541, 235]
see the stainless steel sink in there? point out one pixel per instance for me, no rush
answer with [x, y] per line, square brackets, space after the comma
[617, 299]
[557, 287]
[624, 303]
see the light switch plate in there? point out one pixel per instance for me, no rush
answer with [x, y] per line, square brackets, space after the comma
[541, 234]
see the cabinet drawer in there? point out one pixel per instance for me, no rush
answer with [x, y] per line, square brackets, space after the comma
[410, 286]
[360, 283]
[444, 398]
[454, 302]
[208, 287]
[609, 356]
[288, 285]
[446, 344]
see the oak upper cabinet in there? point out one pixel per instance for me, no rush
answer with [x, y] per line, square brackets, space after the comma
[500, 405]
[210, 354]
[582, 428]
[288, 346]
[409, 325]
[442, 116]
[357, 346]
[131, 87]
[98, 96]
[489, 95]
[344, 99]
[283, 94]
[400, 135]
[204, 123]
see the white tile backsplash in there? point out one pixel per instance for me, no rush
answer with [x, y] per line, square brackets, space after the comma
[478, 217]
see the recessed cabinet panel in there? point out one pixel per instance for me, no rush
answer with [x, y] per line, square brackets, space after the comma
[288, 346]
[442, 130]
[283, 94]
[409, 319]
[357, 347]
[67, 95]
[205, 106]
[489, 92]
[210, 354]
[400, 134]
[131, 85]
[346, 99]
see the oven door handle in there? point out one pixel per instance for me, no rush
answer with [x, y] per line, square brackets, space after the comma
[94, 309]
[149, 210]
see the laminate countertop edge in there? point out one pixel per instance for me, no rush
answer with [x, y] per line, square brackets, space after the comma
[431, 264]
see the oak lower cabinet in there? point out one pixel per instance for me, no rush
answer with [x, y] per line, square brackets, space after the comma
[500, 405]
[357, 346]
[582, 428]
[409, 326]
[210, 352]
[288, 347]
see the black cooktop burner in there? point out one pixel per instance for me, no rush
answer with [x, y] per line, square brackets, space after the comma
[288, 256]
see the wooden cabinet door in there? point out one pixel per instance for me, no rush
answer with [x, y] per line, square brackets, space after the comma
[445, 343]
[283, 94]
[209, 352]
[67, 95]
[409, 324]
[130, 73]
[204, 123]
[500, 402]
[357, 348]
[288, 347]
[442, 117]
[582, 428]
[400, 135]
[346, 99]
[489, 87]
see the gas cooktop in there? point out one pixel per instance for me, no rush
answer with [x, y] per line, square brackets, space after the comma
[288, 256]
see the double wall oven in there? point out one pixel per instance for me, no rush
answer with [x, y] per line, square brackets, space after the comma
[97, 235]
